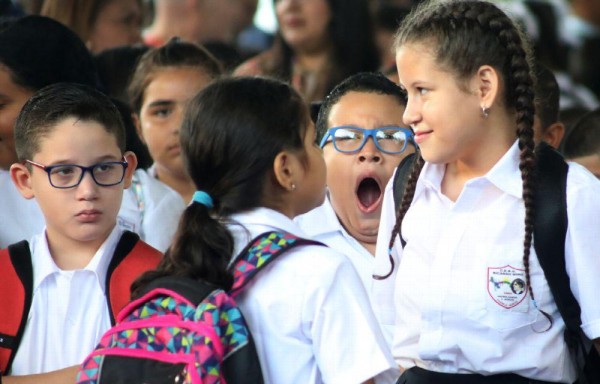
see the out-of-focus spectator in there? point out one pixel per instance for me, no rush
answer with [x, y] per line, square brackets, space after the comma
[319, 43]
[197, 21]
[101, 24]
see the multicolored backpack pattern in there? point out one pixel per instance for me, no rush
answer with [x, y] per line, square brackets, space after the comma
[184, 331]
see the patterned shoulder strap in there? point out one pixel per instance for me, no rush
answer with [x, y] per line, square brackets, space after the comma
[260, 252]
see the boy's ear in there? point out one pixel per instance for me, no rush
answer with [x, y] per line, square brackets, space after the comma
[554, 134]
[138, 126]
[132, 165]
[21, 177]
[487, 83]
[285, 169]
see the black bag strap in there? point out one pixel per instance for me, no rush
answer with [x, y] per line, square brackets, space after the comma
[193, 290]
[549, 236]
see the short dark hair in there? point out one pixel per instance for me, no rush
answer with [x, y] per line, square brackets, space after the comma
[54, 103]
[547, 96]
[366, 82]
[39, 51]
[584, 138]
[175, 53]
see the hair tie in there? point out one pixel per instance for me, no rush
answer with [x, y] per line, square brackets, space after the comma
[203, 198]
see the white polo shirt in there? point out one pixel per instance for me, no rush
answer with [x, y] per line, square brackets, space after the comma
[461, 305]
[308, 312]
[149, 207]
[69, 313]
[322, 224]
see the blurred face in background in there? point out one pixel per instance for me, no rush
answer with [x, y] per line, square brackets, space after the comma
[304, 23]
[164, 102]
[118, 23]
[12, 99]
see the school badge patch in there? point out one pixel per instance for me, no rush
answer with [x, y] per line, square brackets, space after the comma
[506, 286]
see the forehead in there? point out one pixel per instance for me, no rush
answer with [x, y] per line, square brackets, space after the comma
[75, 139]
[366, 110]
[176, 83]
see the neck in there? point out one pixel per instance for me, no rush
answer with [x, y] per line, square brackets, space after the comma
[69, 254]
[312, 60]
[180, 183]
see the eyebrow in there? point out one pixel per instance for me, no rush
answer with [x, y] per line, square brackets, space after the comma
[161, 103]
[100, 159]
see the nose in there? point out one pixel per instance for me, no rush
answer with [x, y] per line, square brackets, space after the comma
[87, 188]
[412, 113]
[369, 152]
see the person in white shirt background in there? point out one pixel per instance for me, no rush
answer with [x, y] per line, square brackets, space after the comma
[467, 215]
[363, 138]
[249, 146]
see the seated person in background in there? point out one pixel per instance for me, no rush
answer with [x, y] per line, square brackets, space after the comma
[582, 145]
[70, 142]
[546, 124]
[363, 138]
[35, 52]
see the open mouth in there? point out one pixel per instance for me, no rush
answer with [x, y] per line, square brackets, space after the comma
[368, 193]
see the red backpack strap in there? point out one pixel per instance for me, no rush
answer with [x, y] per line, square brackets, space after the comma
[16, 293]
[132, 257]
[259, 253]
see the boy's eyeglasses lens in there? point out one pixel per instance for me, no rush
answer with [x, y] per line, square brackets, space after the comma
[389, 139]
[105, 174]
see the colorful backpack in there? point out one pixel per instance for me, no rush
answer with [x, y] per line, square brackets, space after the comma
[186, 331]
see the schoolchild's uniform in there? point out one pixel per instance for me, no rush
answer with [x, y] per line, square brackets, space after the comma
[69, 312]
[308, 311]
[149, 208]
[152, 209]
[461, 303]
[322, 224]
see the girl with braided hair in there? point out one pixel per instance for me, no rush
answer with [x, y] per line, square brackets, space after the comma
[470, 300]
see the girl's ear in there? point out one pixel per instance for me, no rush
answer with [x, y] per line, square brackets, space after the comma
[21, 177]
[285, 168]
[131, 166]
[487, 83]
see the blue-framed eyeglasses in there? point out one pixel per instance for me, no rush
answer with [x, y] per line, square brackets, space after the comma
[390, 139]
[63, 176]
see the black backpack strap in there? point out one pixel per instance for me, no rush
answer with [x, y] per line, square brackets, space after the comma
[193, 290]
[259, 253]
[17, 296]
[549, 235]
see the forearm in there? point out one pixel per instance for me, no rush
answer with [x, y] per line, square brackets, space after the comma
[62, 376]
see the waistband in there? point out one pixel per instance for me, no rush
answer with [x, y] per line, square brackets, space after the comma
[418, 375]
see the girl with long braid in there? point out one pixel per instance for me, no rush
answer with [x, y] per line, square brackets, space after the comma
[470, 300]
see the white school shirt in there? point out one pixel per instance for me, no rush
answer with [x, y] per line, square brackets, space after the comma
[149, 207]
[322, 224]
[69, 313]
[459, 304]
[308, 312]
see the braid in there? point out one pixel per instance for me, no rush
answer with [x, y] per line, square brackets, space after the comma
[520, 88]
[407, 197]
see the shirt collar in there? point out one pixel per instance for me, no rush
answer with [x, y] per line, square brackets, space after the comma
[269, 219]
[44, 265]
[320, 221]
[505, 174]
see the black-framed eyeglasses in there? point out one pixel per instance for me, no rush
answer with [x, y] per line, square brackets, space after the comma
[348, 139]
[63, 176]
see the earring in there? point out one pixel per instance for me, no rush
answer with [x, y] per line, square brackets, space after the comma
[485, 111]
[292, 187]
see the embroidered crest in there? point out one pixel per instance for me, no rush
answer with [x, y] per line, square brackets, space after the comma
[506, 285]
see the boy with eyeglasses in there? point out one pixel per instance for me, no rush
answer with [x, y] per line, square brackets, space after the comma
[360, 129]
[70, 143]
